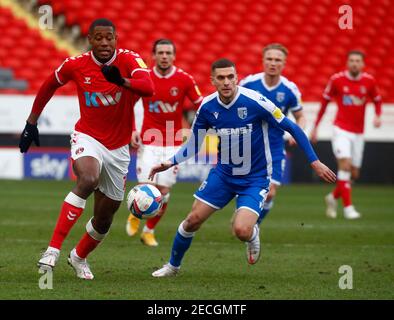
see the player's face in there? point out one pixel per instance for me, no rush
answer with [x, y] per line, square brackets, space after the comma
[274, 61]
[103, 42]
[164, 56]
[225, 80]
[355, 64]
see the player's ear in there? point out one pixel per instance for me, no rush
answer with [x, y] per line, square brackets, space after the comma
[90, 38]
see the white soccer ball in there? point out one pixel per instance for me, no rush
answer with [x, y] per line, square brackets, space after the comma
[144, 201]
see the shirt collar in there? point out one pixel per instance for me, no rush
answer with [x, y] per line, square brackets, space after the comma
[229, 105]
[267, 86]
[107, 63]
[168, 75]
[350, 77]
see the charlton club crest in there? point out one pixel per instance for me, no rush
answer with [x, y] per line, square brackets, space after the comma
[174, 91]
[242, 112]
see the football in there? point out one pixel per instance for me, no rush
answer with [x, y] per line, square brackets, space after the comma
[144, 201]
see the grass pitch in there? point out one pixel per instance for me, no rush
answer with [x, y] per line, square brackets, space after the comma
[302, 250]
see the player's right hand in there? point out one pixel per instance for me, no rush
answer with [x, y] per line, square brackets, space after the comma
[323, 171]
[159, 168]
[135, 140]
[29, 134]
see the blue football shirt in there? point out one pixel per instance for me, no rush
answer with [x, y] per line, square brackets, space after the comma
[284, 95]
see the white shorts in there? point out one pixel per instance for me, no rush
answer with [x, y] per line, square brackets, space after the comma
[149, 156]
[114, 164]
[347, 144]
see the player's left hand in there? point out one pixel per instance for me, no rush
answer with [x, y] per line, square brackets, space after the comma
[112, 74]
[377, 122]
[159, 168]
[135, 139]
[323, 171]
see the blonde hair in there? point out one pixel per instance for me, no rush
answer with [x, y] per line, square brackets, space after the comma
[276, 46]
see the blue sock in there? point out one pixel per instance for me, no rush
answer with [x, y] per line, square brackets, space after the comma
[266, 208]
[182, 242]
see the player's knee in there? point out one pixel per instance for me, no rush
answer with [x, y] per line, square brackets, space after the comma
[270, 196]
[243, 232]
[355, 173]
[88, 182]
[192, 223]
[345, 165]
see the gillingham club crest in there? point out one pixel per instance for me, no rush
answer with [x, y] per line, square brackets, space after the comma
[280, 96]
[242, 112]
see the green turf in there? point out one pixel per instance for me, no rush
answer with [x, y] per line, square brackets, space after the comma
[301, 249]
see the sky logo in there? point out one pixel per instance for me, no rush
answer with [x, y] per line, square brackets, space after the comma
[46, 165]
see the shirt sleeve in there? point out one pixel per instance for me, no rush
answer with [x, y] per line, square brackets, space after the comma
[199, 130]
[374, 92]
[135, 63]
[330, 90]
[275, 117]
[295, 103]
[64, 73]
[192, 91]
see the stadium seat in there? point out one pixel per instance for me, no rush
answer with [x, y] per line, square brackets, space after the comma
[206, 30]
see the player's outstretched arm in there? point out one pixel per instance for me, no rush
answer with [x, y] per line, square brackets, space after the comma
[30, 132]
[323, 171]
[302, 140]
[189, 148]
[159, 168]
[320, 114]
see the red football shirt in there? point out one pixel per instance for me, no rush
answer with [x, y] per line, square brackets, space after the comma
[106, 109]
[162, 123]
[351, 95]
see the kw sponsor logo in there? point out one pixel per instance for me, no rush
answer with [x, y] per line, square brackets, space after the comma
[93, 99]
[160, 106]
[352, 100]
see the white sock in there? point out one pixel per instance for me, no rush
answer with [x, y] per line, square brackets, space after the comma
[146, 229]
[255, 233]
[53, 249]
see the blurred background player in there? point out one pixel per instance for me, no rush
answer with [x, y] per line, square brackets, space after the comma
[240, 117]
[161, 133]
[285, 95]
[351, 89]
[109, 82]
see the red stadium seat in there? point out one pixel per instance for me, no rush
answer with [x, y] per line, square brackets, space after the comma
[206, 30]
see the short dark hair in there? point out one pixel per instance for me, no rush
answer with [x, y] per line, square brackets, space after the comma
[101, 22]
[222, 63]
[276, 46]
[163, 41]
[358, 52]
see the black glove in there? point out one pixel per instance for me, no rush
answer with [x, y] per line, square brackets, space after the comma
[29, 134]
[112, 74]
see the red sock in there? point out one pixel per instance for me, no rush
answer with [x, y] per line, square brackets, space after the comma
[346, 194]
[152, 222]
[86, 245]
[338, 190]
[70, 212]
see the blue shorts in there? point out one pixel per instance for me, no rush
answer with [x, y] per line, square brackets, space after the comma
[218, 190]
[278, 168]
